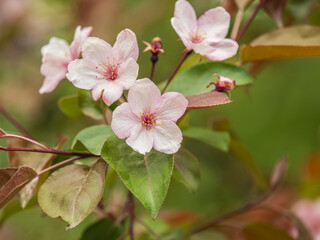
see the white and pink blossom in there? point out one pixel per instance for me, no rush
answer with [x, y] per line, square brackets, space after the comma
[148, 120]
[205, 35]
[57, 55]
[104, 69]
[309, 213]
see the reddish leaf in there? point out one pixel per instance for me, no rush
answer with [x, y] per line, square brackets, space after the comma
[19, 179]
[205, 100]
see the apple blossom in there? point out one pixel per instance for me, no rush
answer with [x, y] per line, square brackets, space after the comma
[309, 213]
[149, 120]
[104, 69]
[206, 35]
[57, 55]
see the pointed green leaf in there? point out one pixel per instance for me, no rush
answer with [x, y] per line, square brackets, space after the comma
[220, 140]
[149, 183]
[187, 169]
[91, 139]
[88, 106]
[70, 106]
[102, 230]
[195, 79]
[72, 192]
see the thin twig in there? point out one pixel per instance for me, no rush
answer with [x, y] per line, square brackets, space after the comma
[24, 138]
[176, 70]
[48, 150]
[250, 19]
[237, 24]
[103, 109]
[59, 164]
[152, 70]
[15, 122]
[138, 220]
[124, 97]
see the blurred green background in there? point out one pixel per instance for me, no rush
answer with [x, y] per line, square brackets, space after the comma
[278, 115]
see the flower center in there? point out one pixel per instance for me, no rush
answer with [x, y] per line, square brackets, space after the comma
[148, 119]
[110, 70]
[197, 37]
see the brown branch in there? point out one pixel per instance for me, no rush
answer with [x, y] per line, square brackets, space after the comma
[24, 138]
[48, 150]
[131, 214]
[15, 122]
[176, 70]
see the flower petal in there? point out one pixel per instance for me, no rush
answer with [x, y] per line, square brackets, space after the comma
[123, 121]
[126, 46]
[83, 74]
[79, 36]
[144, 94]
[167, 137]
[128, 73]
[202, 48]
[185, 14]
[215, 23]
[140, 140]
[54, 69]
[57, 47]
[182, 31]
[223, 50]
[172, 107]
[96, 50]
[111, 91]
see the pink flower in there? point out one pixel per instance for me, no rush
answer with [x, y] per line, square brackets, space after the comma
[104, 69]
[309, 213]
[206, 35]
[149, 120]
[57, 55]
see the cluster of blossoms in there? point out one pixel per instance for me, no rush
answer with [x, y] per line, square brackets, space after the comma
[147, 120]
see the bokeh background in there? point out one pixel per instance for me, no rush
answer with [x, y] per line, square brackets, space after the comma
[278, 115]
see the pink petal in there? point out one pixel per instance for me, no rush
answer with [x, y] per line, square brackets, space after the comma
[185, 15]
[50, 83]
[83, 74]
[223, 50]
[128, 73]
[96, 50]
[202, 48]
[144, 94]
[215, 23]
[167, 137]
[123, 121]
[57, 47]
[79, 36]
[126, 46]
[140, 140]
[172, 107]
[111, 91]
[182, 31]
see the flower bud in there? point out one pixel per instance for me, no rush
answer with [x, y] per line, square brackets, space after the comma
[155, 47]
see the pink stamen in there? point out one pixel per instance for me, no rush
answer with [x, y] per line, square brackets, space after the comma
[197, 37]
[148, 120]
[110, 70]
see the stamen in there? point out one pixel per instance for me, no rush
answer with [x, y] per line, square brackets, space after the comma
[148, 119]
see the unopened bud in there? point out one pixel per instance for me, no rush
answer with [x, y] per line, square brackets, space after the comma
[223, 84]
[155, 47]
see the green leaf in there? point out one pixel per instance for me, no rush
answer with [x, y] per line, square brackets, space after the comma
[72, 192]
[195, 79]
[220, 140]
[242, 154]
[149, 183]
[264, 231]
[88, 106]
[70, 106]
[290, 42]
[187, 169]
[11, 186]
[102, 230]
[92, 139]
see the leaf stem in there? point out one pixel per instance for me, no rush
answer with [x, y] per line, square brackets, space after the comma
[103, 109]
[15, 122]
[249, 21]
[48, 150]
[24, 138]
[187, 54]
[124, 97]
[60, 164]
